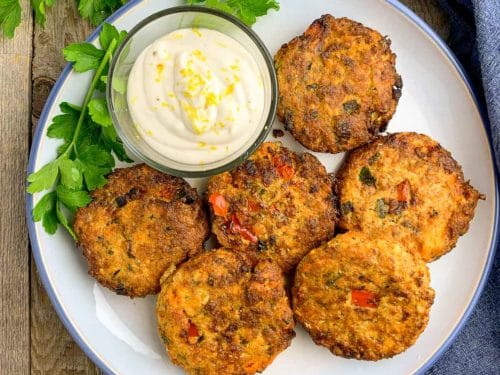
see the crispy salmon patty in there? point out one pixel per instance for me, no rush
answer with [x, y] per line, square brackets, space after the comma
[220, 314]
[338, 84]
[361, 297]
[138, 225]
[277, 204]
[407, 186]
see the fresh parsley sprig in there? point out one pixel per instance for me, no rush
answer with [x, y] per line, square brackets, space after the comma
[246, 10]
[96, 11]
[85, 157]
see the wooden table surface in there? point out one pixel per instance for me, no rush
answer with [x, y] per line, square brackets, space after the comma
[32, 339]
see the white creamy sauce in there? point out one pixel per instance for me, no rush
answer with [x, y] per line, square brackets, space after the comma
[195, 95]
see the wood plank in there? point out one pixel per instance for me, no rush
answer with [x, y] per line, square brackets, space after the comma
[53, 351]
[63, 26]
[15, 93]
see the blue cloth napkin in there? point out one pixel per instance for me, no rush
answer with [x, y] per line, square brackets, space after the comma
[475, 39]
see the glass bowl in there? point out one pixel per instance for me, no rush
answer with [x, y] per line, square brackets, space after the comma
[156, 26]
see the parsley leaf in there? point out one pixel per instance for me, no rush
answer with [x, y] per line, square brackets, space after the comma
[217, 4]
[39, 8]
[111, 141]
[249, 10]
[71, 174]
[72, 199]
[246, 10]
[85, 56]
[95, 10]
[98, 156]
[98, 110]
[50, 222]
[108, 33]
[98, 10]
[63, 125]
[63, 148]
[95, 176]
[45, 204]
[89, 134]
[63, 220]
[45, 211]
[45, 178]
[96, 164]
[10, 16]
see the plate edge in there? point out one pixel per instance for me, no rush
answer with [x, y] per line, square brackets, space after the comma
[105, 367]
[420, 23]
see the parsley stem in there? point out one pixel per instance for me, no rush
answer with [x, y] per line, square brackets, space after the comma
[90, 94]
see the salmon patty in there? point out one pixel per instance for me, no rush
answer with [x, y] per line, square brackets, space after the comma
[338, 84]
[220, 314]
[138, 225]
[407, 186]
[277, 204]
[361, 297]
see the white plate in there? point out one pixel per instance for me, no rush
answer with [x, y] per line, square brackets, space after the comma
[119, 334]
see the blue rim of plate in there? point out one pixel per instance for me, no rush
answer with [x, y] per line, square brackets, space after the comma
[94, 357]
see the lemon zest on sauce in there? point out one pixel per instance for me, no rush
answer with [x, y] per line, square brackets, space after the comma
[229, 89]
[211, 99]
[167, 105]
[198, 54]
[160, 68]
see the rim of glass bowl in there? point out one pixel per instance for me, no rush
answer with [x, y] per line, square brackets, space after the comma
[274, 91]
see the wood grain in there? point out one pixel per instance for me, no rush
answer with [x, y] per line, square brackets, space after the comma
[53, 351]
[15, 93]
[63, 26]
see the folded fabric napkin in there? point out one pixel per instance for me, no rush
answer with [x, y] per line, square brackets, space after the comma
[475, 39]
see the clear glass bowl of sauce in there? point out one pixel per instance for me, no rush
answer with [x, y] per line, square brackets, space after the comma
[192, 91]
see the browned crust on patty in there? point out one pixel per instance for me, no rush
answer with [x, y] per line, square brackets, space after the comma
[288, 217]
[338, 84]
[220, 314]
[440, 203]
[397, 280]
[138, 225]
